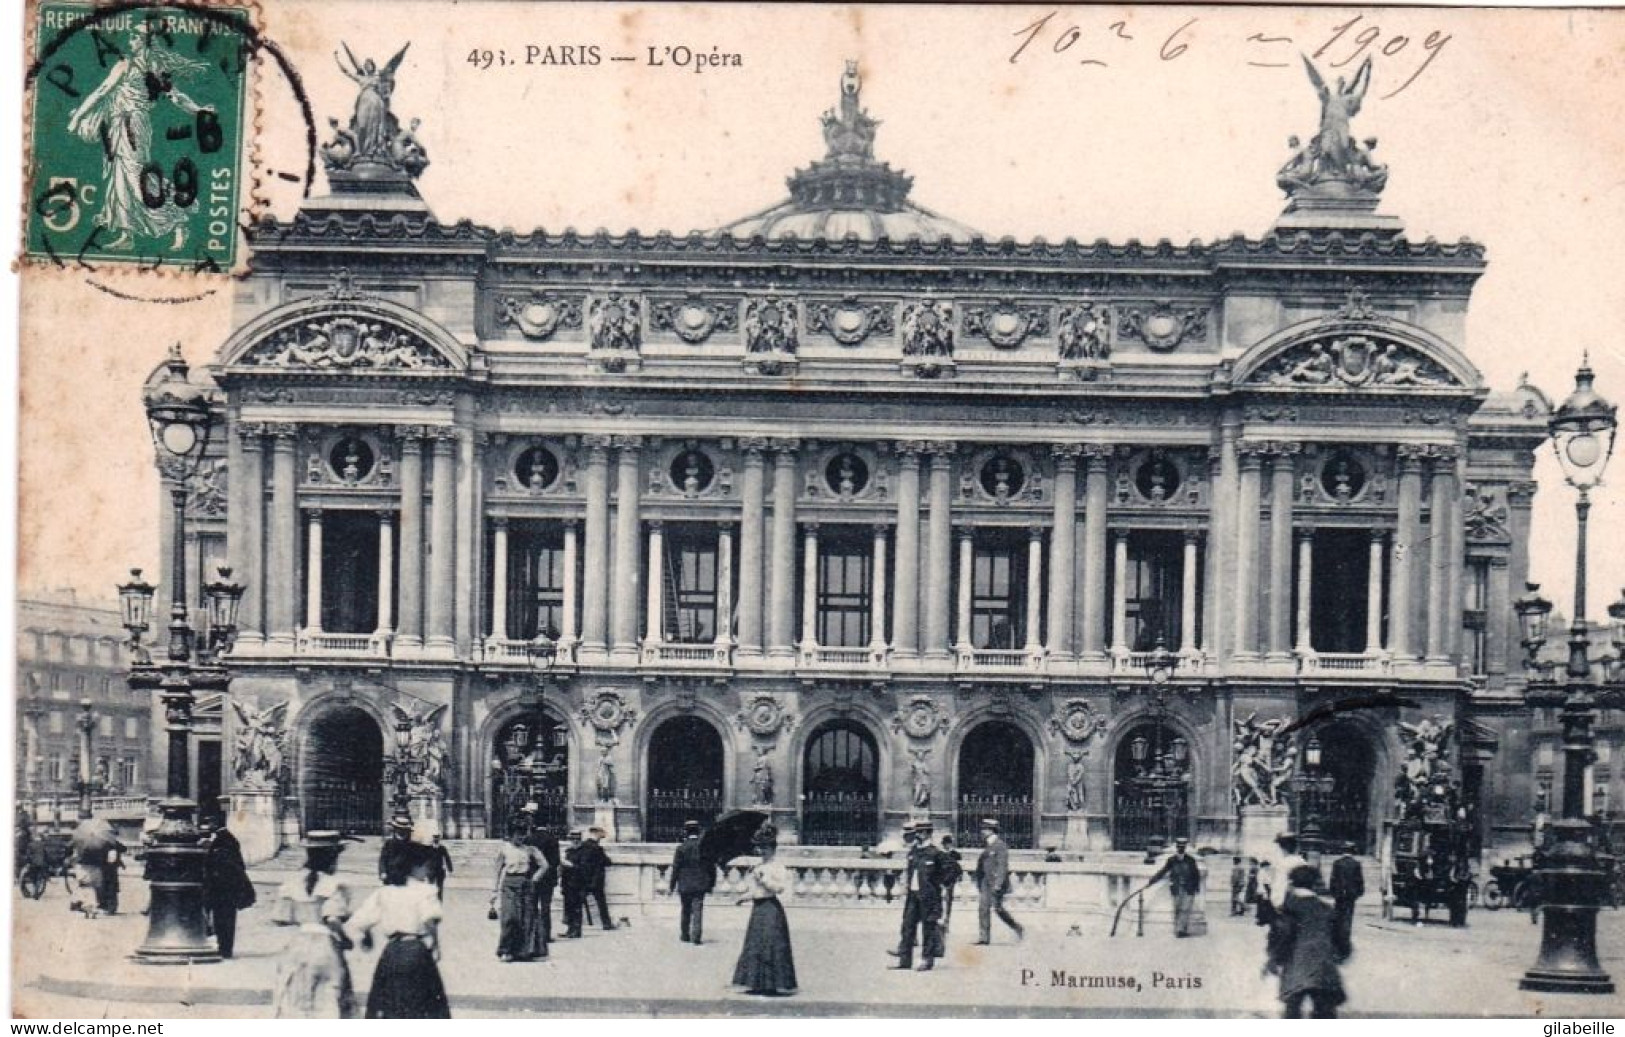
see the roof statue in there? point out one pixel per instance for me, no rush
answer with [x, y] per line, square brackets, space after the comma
[1334, 171]
[847, 192]
[373, 149]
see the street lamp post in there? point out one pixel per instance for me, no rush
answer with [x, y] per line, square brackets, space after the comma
[1571, 884]
[1160, 769]
[180, 419]
[1311, 786]
[85, 779]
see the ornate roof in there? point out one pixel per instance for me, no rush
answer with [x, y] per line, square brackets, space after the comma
[848, 193]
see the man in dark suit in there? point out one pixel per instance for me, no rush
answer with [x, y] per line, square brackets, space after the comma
[1348, 886]
[692, 877]
[593, 864]
[574, 891]
[226, 888]
[992, 883]
[548, 843]
[1184, 882]
[397, 843]
[922, 900]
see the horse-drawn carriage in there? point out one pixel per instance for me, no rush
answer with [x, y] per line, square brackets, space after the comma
[1426, 857]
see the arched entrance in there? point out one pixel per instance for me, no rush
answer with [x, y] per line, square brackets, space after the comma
[684, 778]
[1151, 784]
[1347, 755]
[996, 781]
[840, 799]
[530, 763]
[341, 777]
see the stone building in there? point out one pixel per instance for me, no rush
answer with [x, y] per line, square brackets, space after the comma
[851, 513]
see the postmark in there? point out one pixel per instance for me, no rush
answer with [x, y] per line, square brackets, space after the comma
[139, 127]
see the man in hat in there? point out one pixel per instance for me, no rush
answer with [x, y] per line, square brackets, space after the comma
[992, 883]
[922, 900]
[548, 843]
[1287, 860]
[397, 843]
[227, 888]
[574, 891]
[1347, 887]
[692, 877]
[1184, 882]
[593, 864]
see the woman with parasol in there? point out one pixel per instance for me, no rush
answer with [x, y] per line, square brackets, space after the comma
[312, 979]
[766, 965]
[406, 913]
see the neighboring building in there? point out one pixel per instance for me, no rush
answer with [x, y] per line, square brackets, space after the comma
[849, 513]
[68, 652]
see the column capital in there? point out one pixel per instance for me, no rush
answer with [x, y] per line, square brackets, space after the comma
[942, 452]
[571, 524]
[1443, 454]
[1066, 454]
[727, 527]
[1120, 534]
[1303, 534]
[964, 532]
[386, 517]
[250, 432]
[656, 525]
[1193, 535]
[311, 512]
[284, 433]
[784, 450]
[410, 433]
[1521, 493]
[1377, 534]
[1036, 533]
[753, 448]
[499, 522]
[809, 529]
[1411, 455]
[596, 443]
[1252, 455]
[444, 437]
[626, 444]
[880, 529]
[911, 448]
[1499, 561]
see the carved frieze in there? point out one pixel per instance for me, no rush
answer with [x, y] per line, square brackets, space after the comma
[1006, 324]
[342, 342]
[1485, 515]
[206, 490]
[616, 326]
[771, 338]
[1162, 327]
[1354, 361]
[540, 314]
[849, 321]
[693, 318]
[1083, 332]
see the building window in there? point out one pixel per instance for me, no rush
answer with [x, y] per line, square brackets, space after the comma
[1475, 612]
[845, 580]
[998, 601]
[107, 687]
[132, 727]
[54, 724]
[128, 774]
[55, 767]
[81, 684]
[105, 727]
[1339, 602]
[690, 594]
[1154, 591]
[349, 572]
[535, 580]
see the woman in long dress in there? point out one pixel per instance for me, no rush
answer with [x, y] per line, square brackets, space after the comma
[1306, 945]
[406, 913]
[519, 872]
[766, 965]
[312, 978]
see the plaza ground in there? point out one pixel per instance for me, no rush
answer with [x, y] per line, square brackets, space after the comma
[67, 966]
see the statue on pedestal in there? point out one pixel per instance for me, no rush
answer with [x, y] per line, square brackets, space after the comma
[1333, 156]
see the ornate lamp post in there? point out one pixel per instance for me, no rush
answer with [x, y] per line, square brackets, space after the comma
[1160, 769]
[1311, 787]
[542, 652]
[180, 418]
[1571, 882]
[401, 765]
[85, 781]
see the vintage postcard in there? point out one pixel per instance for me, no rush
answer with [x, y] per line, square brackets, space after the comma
[815, 510]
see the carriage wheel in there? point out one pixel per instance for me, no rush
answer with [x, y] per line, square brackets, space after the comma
[1492, 897]
[1523, 896]
[33, 882]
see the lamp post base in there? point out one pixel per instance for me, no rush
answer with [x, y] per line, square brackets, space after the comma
[1572, 889]
[177, 931]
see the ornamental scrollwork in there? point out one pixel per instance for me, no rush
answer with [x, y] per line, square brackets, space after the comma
[764, 717]
[346, 343]
[607, 713]
[1005, 324]
[1356, 362]
[849, 321]
[920, 718]
[540, 315]
[1077, 721]
[693, 319]
[1162, 327]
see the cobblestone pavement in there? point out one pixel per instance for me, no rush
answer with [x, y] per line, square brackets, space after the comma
[68, 966]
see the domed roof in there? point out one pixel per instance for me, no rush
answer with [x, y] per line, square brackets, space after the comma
[848, 193]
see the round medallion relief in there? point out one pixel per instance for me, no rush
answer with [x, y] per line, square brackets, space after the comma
[692, 472]
[846, 474]
[352, 459]
[536, 468]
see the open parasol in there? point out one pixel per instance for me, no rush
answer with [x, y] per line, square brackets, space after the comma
[92, 839]
[732, 836]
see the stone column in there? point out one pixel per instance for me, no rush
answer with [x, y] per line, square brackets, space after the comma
[655, 609]
[1373, 594]
[1282, 479]
[782, 615]
[1119, 591]
[1520, 499]
[1251, 462]
[1440, 568]
[386, 572]
[1097, 457]
[281, 560]
[1497, 613]
[313, 570]
[877, 592]
[595, 550]
[1407, 549]
[905, 630]
[499, 579]
[967, 551]
[247, 527]
[939, 551]
[623, 632]
[1062, 590]
[1222, 467]
[1187, 596]
[411, 618]
[725, 584]
[752, 541]
[1306, 577]
[1035, 587]
[442, 550]
[567, 621]
[1455, 579]
[809, 586]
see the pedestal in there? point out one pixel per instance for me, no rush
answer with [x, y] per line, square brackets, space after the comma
[252, 818]
[603, 816]
[177, 933]
[1077, 834]
[1259, 827]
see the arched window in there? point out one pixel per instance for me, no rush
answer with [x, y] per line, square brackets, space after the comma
[840, 787]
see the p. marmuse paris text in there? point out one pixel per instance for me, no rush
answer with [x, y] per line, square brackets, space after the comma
[1083, 981]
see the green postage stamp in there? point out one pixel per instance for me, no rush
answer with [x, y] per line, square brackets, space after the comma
[138, 124]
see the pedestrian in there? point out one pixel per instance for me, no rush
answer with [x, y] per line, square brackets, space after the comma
[1347, 887]
[1264, 896]
[1184, 882]
[227, 888]
[1288, 860]
[953, 869]
[572, 887]
[922, 900]
[594, 864]
[397, 841]
[692, 877]
[436, 862]
[406, 914]
[519, 934]
[1251, 896]
[107, 890]
[766, 965]
[23, 833]
[1305, 948]
[1238, 887]
[992, 883]
[312, 978]
[545, 841]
